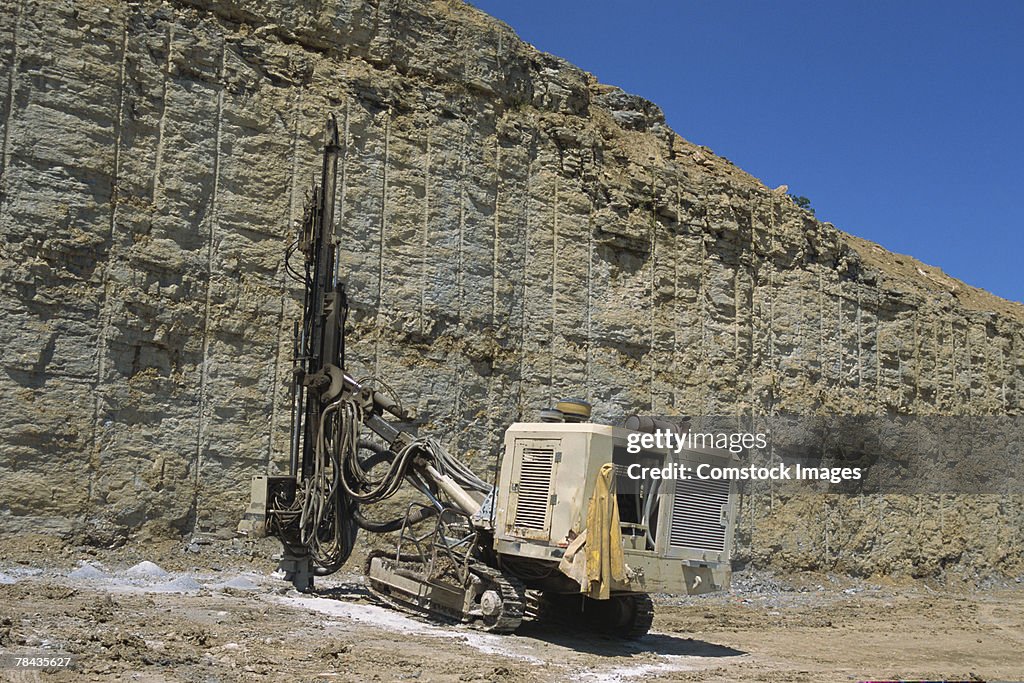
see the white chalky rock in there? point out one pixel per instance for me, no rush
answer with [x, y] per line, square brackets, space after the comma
[87, 571]
[182, 584]
[146, 569]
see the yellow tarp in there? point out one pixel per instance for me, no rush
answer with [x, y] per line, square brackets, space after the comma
[602, 559]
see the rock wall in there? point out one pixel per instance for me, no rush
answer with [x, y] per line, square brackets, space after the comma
[515, 232]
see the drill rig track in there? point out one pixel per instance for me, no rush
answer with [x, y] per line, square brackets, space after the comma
[485, 598]
[627, 616]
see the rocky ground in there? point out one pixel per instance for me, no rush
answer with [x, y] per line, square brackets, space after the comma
[211, 611]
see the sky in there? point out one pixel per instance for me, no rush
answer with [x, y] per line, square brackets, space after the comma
[902, 122]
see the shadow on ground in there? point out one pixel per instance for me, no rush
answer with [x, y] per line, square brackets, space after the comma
[352, 592]
[654, 643]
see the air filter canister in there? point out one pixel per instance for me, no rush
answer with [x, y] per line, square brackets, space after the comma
[574, 409]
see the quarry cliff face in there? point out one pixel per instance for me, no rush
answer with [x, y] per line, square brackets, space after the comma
[514, 232]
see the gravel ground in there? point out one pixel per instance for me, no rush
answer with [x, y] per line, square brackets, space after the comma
[211, 610]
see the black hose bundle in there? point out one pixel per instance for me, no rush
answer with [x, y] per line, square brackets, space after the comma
[341, 484]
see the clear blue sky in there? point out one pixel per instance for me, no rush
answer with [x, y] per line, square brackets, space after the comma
[903, 122]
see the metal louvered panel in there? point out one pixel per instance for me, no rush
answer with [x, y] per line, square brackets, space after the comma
[697, 514]
[533, 493]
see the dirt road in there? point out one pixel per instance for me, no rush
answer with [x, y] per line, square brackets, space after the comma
[213, 613]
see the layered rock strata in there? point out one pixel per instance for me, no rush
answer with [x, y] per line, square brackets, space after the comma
[514, 232]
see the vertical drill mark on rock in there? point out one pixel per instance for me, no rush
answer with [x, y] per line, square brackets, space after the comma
[281, 275]
[773, 365]
[161, 126]
[380, 245]
[754, 290]
[919, 353]
[822, 357]
[460, 275]
[103, 330]
[9, 118]
[969, 366]
[860, 359]
[987, 375]
[880, 355]
[871, 347]
[703, 306]
[491, 417]
[460, 285]
[212, 218]
[341, 229]
[772, 340]
[589, 303]
[958, 369]
[968, 369]
[277, 379]
[528, 197]
[742, 292]
[754, 327]
[826, 509]
[553, 310]
[293, 174]
[953, 402]
[1003, 375]
[680, 394]
[677, 320]
[652, 359]
[736, 285]
[495, 241]
[936, 348]
[841, 377]
[424, 233]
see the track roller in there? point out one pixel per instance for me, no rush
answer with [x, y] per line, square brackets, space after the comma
[489, 600]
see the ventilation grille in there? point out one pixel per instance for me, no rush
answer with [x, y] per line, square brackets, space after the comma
[534, 488]
[697, 514]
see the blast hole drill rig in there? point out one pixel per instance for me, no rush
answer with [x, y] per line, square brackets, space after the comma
[563, 533]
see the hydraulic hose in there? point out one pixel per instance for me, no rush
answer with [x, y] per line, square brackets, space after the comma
[395, 524]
